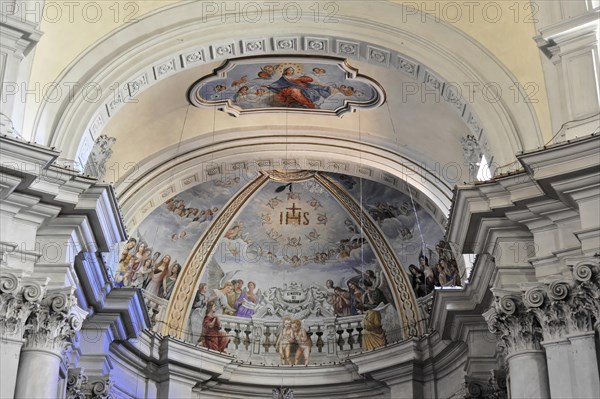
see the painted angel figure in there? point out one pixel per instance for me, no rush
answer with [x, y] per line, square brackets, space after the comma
[274, 234]
[322, 218]
[314, 203]
[294, 241]
[248, 301]
[296, 260]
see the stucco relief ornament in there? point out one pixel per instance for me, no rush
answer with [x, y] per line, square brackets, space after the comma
[101, 152]
[282, 393]
[76, 381]
[55, 323]
[295, 301]
[19, 297]
[516, 328]
[7, 128]
[471, 151]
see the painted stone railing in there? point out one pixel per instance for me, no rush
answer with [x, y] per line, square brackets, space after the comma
[255, 339]
[157, 310]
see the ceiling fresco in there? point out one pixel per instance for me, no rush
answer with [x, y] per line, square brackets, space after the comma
[291, 83]
[292, 252]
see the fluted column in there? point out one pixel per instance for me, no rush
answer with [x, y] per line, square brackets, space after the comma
[520, 335]
[47, 339]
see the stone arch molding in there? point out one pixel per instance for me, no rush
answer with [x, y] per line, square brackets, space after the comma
[198, 160]
[433, 53]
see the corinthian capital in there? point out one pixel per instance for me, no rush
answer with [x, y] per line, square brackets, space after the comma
[99, 387]
[55, 322]
[76, 381]
[19, 297]
[516, 328]
[567, 305]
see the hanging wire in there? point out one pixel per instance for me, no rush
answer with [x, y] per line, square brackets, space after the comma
[423, 244]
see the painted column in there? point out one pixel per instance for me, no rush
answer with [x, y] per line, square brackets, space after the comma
[586, 383]
[47, 341]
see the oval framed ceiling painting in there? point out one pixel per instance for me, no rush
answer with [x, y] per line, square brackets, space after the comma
[299, 84]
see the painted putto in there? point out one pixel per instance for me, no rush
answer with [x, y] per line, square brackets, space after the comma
[289, 269]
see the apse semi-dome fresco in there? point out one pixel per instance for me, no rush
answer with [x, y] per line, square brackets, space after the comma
[288, 268]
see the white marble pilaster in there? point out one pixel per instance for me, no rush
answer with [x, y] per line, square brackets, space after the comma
[528, 375]
[559, 361]
[10, 353]
[586, 382]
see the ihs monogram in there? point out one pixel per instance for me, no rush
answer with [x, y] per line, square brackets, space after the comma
[294, 215]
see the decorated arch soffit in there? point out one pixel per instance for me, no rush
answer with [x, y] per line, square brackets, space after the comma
[296, 236]
[299, 84]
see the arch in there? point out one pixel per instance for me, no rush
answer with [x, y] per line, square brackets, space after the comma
[439, 53]
[180, 167]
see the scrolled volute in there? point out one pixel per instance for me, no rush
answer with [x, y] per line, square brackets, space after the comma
[508, 304]
[534, 297]
[33, 291]
[100, 387]
[60, 300]
[583, 271]
[558, 290]
[10, 283]
[474, 389]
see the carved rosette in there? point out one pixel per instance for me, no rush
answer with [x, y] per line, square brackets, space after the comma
[516, 328]
[19, 297]
[567, 306]
[55, 322]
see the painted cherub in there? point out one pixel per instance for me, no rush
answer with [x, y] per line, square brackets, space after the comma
[285, 341]
[304, 343]
[322, 218]
[273, 202]
[313, 235]
[314, 203]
